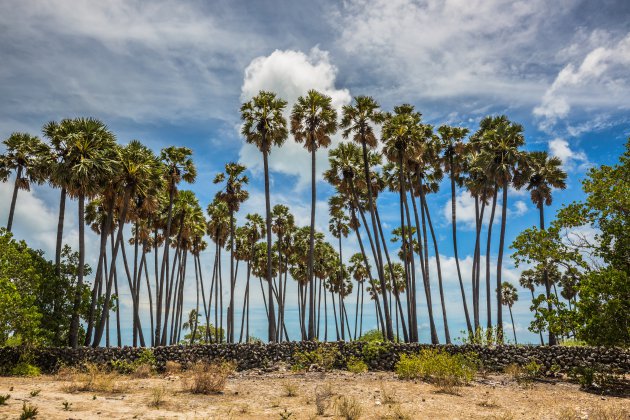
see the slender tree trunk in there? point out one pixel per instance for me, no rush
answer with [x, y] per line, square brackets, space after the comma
[164, 268]
[513, 327]
[552, 340]
[108, 290]
[447, 334]
[500, 262]
[488, 246]
[311, 250]
[455, 249]
[60, 222]
[16, 188]
[542, 341]
[389, 333]
[74, 323]
[271, 313]
[232, 282]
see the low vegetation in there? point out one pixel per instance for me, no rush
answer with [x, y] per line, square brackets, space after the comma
[446, 371]
[208, 378]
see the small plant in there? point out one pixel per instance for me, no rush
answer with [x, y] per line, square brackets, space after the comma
[4, 398]
[209, 378]
[348, 408]
[446, 371]
[322, 398]
[533, 369]
[172, 368]
[285, 415]
[25, 369]
[66, 405]
[325, 357]
[157, 397]
[488, 403]
[373, 351]
[356, 365]
[28, 412]
[93, 378]
[389, 395]
[290, 389]
[35, 392]
[398, 413]
[372, 336]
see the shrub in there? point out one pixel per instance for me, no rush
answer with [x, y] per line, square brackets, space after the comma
[373, 351]
[322, 398]
[142, 367]
[326, 357]
[28, 412]
[290, 389]
[25, 369]
[348, 408]
[209, 378]
[533, 369]
[4, 398]
[92, 378]
[356, 365]
[446, 371]
[157, 397]
[172, 367]
[372, 336]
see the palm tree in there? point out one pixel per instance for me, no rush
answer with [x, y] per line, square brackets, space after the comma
[177, 166]
[501, 157]
[358, 119]
[455, 166]
[23, 152]
[137, 170]
[540, 174]
[360, 272]
[313, 121]
[233, 195]
[401, 134]
[90, 159]
[265, 126]
[509, 296]
[528, 280]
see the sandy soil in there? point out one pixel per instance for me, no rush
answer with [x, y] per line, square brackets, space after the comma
[252, 395]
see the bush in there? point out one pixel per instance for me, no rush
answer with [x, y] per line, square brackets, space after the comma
[28, 412]
[372, 336]
[25, 369]
[92, 378]
[349, 408]
[172, 367]
[325, 357]
[142, 367]
[446, 371]
[373, 351]
[356, 365]
[209, 378]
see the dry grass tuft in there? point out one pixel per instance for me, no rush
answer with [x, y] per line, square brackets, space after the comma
[157, 397]
[290, 389]
[389, 395]
[322, 398]
[92, 378]
[348, 408]
[172, 368]
[143, 371]
[208, 378]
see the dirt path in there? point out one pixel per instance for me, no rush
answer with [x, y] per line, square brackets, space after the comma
[252, 395]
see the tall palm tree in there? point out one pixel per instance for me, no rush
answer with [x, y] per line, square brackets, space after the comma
[401, 134]
[540, 175]
[177, 166]
[91, 158]
[338, 227]
[136, 170]
[233, 194]
[264, 126]
[313, 121]
[501, 157]
[455, 166]
[218, 230]
[509, 296]
[360, 272]
[23, 152]
[358, 119]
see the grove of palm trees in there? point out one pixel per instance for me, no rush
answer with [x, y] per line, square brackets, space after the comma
[153, 233]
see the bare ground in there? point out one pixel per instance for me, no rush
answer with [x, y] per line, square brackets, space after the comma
[255, 395]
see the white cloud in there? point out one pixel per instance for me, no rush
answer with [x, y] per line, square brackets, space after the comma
[570, 159]
[601, 78]
[466, 218]
[442, 49]
[291, 74]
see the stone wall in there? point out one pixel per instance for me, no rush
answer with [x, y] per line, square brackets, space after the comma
[378, 356]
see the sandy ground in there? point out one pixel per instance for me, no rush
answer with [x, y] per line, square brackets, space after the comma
[252, 395]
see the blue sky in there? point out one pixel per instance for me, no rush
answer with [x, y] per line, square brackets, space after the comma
[176, 72]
